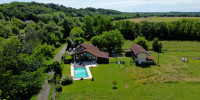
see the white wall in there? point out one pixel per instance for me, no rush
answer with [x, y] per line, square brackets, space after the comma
[142, 56]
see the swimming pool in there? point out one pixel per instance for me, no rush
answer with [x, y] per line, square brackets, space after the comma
[80, 72]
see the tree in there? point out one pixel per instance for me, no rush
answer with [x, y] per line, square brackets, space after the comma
[5, 31]
[45, 17]
[77, 32]
[31, 34]
[111, 40]
[76, 37]
[57, 68]
[141, 41]
[56, 17]
[78, 41]
[15, 30]
[95, 41]
[1, 15]
[156, 45]
[104, 24]
[67, 25]
[46, 51]
[16, 22]
[53, 38]
[73, 42]
[88, 27]
[21, 76]
[127, 29]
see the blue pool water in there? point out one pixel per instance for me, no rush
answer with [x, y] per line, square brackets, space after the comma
[80, 72]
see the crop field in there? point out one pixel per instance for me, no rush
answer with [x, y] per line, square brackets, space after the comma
[161, 19]
[172, 79]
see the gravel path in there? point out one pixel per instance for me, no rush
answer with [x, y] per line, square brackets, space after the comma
[44, 93]
[59, 55]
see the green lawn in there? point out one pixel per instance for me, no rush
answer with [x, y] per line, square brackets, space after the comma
[173, 79]
[161, 19]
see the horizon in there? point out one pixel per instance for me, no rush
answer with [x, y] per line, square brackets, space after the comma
[126, 5]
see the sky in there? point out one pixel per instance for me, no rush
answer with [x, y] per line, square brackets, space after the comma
[127, 5]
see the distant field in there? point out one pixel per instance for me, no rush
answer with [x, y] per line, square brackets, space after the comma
[161, 19]
[173, 79]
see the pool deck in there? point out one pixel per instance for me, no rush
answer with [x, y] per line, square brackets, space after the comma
[87, 65]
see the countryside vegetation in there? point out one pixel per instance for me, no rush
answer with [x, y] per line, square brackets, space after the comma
[32, 34]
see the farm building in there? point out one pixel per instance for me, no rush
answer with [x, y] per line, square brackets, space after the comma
[86, 52]
[139, 54]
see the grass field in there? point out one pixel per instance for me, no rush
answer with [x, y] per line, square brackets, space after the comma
[173, 79]
[161, 19]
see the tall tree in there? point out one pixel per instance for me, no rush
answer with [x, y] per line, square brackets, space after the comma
[67, 25]
[88, 27]
[109, 40]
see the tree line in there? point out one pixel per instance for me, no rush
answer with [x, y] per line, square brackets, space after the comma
[33, 11]
[185, 29]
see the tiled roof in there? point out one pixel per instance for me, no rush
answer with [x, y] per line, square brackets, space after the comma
[138, 49]
[150, 57]
[94, 50]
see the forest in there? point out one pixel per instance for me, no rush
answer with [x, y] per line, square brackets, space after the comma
[26, 47]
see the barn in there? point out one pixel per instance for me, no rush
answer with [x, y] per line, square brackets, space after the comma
[139, 54]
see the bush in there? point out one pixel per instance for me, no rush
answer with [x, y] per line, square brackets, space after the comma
[141, 41]
[156, 45]
[114, 83]
[59, 88]
[66, 80]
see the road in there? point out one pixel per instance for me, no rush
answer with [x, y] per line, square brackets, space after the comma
[59, 55]
[44, 93]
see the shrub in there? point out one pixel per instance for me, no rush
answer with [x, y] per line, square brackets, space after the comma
[81, 78]
[59, 88]
[66, 80]
[92, 79]
[114, 83]
[156, 45]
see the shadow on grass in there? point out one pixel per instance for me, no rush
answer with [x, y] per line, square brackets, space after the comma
[145, 65]
[114, 88]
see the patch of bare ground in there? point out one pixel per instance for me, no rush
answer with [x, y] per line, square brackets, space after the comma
[126, 86]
